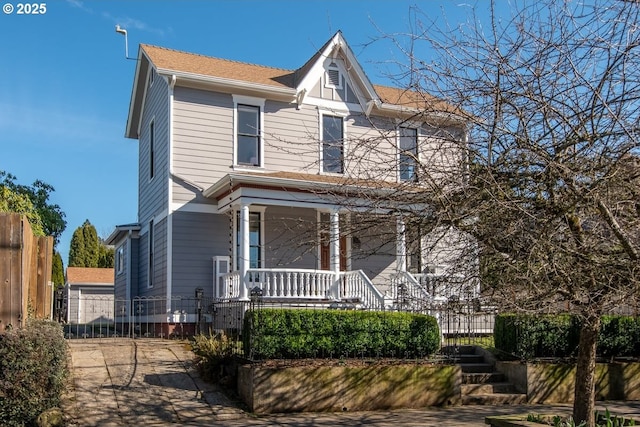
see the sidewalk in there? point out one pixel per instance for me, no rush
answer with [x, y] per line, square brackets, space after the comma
[123, 382]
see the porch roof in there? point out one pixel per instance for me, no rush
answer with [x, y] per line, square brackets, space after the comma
[330, 190]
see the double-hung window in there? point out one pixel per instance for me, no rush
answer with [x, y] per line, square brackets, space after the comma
[248, 135]
[408, 148]
[152, 150]
[248, 122]
[332, 144]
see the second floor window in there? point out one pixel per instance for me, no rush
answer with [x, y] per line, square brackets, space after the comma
[408, 148]
[152, 150]
[332, 144]
[248, 135]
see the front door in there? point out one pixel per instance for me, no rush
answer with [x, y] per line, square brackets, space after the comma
[325, 253]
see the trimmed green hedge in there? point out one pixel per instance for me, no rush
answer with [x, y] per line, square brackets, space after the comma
[33, 368]
[533, 336]
[298, 334]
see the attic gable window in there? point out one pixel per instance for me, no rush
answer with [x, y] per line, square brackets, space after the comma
[332, 77]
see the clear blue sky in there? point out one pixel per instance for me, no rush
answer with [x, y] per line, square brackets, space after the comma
[65, 84]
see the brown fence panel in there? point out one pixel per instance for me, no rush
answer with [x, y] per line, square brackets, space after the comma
[11, 295]
[44, 287]
[25, 272]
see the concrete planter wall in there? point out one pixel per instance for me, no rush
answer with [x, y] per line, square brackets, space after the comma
[345, 388]
[554, 383]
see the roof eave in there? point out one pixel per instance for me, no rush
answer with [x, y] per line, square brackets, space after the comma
[130, 131]
[221, 82]
[439, 116]
[223, 184]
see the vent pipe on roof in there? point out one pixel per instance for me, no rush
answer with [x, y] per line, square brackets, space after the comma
[120, 30]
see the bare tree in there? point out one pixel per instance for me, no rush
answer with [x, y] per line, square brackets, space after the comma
[551, 94]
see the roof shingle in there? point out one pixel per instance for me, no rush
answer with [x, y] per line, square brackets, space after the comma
[89, 275]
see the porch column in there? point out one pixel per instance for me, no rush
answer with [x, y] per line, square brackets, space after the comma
[334, 253]
[245, 256]
[401, 245]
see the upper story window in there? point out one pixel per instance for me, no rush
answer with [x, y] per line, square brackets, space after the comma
[152, 153]
[248, 131]
[408, 153]
[120, 260]
[332, 144]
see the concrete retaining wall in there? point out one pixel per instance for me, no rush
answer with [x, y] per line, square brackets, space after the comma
[554, 383]
[346, 388]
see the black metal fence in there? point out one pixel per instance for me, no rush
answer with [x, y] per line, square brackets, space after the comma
[460, 322]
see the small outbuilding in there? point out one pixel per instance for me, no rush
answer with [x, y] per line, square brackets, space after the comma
[90, 297]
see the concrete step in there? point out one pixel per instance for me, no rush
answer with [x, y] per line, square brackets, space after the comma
[474, 368]
[482, 377]
[458, 349]
[463, 359]
[487, 388]
[494, 399]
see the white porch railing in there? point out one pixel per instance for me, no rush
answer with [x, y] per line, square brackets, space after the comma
[292, 283]
[283, 283]
[409, 293]
[443, 287]
[355, 285]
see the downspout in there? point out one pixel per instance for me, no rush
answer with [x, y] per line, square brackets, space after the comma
[172, 84]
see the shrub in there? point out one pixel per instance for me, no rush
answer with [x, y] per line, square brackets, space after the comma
[533, 336]
[530, 336]
[212, 353]
[33, 369]
[283, 333]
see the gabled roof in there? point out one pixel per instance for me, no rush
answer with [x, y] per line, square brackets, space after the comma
[167, 60]
[291, 85]
[87, 275]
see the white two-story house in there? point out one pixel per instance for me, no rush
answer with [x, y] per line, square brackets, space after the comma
[255, 177]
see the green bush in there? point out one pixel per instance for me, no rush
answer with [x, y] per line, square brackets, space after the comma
[534, 336]
[531, 336]
[212, 353]
[296, 334]
[33, 369]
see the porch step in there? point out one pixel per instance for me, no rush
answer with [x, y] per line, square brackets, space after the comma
[476, 368]
[494, 399]
[482, 384]
[483, 378]
[488, 388]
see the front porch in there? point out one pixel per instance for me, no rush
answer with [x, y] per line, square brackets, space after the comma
[298, 239]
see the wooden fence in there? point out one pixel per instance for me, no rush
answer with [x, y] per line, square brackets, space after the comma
[25, 272]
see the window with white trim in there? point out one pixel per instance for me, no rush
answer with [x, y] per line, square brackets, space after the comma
[248, 137]
[408, 153]
[150, 261]
[332, 144]
[120, 259]
[152, 152]
[248, 124]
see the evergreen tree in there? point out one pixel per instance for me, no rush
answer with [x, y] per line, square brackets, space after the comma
[91, 244]
[77, 251]
[57, 270]
[88, 250]
[107, 256]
